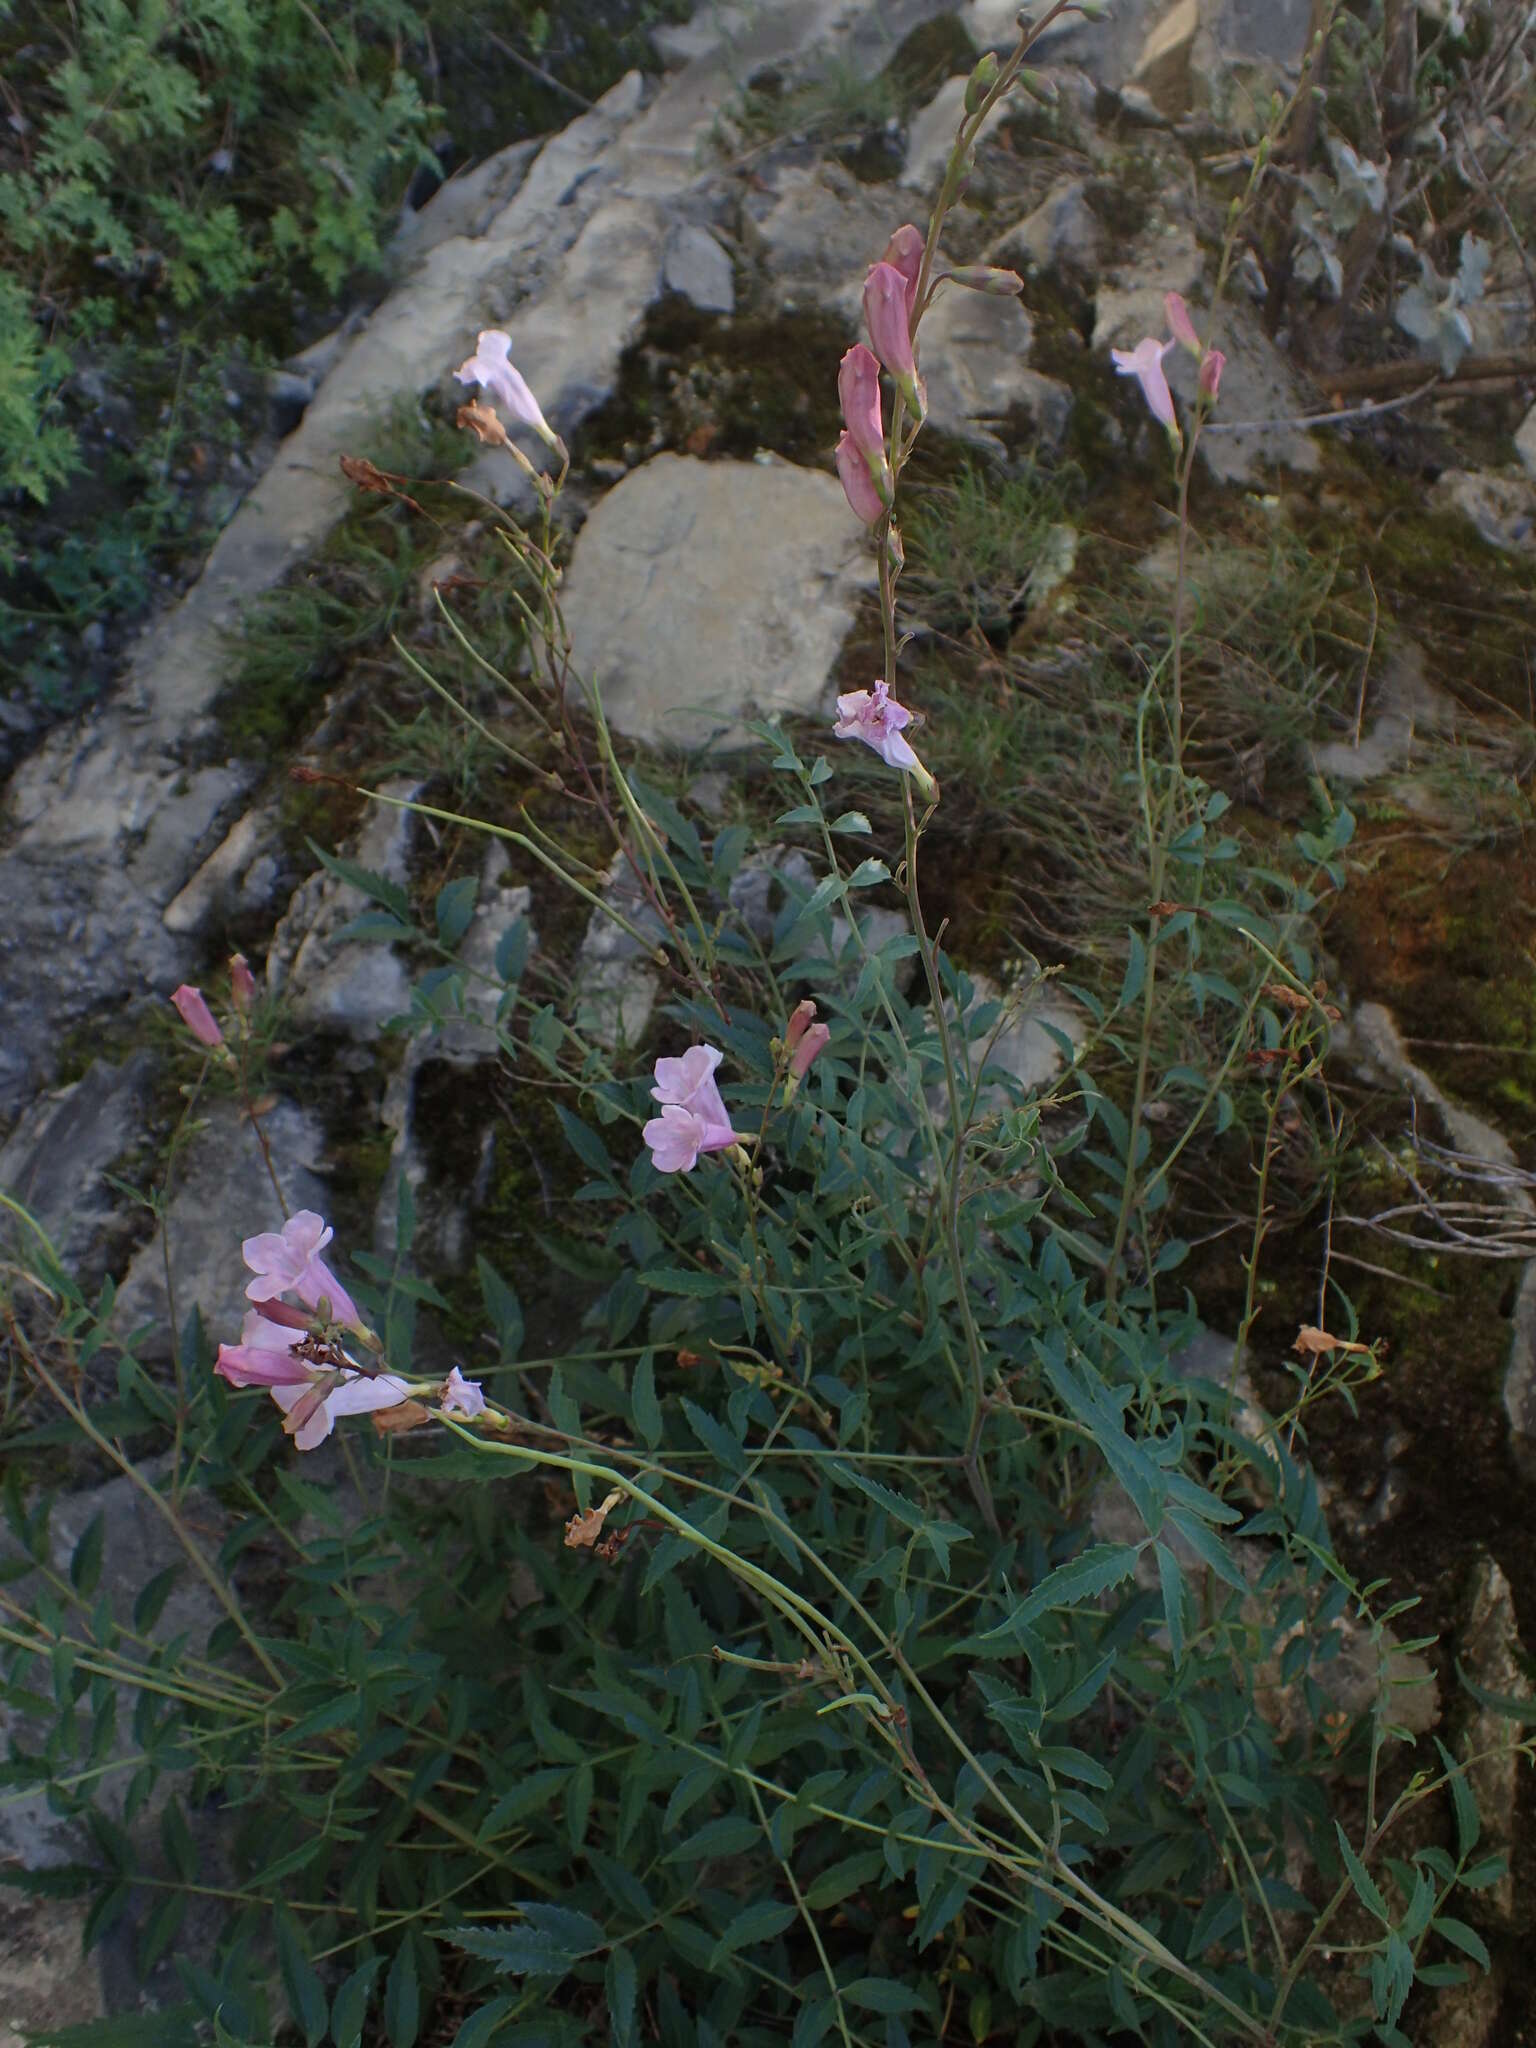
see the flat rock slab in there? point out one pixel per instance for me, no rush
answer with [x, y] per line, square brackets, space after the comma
[705, 593]
[974, 354]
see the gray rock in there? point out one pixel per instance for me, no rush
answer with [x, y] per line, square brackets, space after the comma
[973, 352]
[703, 593]
[499, 907]
[78, 936]
[1407, 712]
[331, 982]
[1372, 1041]
[1525, 443]
[931, 135]
[1502, 508]
[763, 884]
[467, 203]
[1061, 234]
[1024, 1049]
[43, 1982]
[616, 980]
[682, 42]
[138, 1542]
[819, 238]
[238, 877]
[1162, 67]
[221, 1194]
[698, 268]
[288, 396]
[1489, 1651]
[55, 1160]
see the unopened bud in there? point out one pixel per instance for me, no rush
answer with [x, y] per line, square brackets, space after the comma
[1040, 86]
[981, 82]
[982, 277]
[802, 1017]
[242, 983]
[197, 1017]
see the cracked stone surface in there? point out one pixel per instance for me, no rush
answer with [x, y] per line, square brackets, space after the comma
[701, 594]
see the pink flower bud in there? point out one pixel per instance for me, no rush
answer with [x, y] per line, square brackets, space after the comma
[982, 277]
[904, 252]
[813, 1042]
[1211, 366]
[242, 983]
[197, 1017]
[858, 391]
[1182, 326]
[859, 487]
[801, 1018]
[886, 309]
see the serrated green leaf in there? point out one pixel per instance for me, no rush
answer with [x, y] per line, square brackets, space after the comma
[454, 908]
[760, 1921]
[686, 1280]
[881, 1994]
[1072, 1584]
[1172, 1578]
[349, 2008]
[1466, 1938]
[843, 1880]
[728, 1835]
[402, 1998]
[306, 2000]
[85, 1560]
[482, 2026]
[1360, 1878]
[621, 1988]
[1468, 1822]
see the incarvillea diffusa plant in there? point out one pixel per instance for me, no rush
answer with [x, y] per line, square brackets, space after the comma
[863, 1631]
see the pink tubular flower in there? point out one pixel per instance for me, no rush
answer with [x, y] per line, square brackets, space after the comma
[1212, 363]
[289, 1262]
[491, 367]
[1183, 328]
[462, 1397]
[675, 1139]
[693, 1118]
[263, 1357]
[858, 391]
[801, 1018]
[904, 252]
[242, 983]
[311, 1411]
[813, 1041]
[890, 329]
[1144, 362]
[859, 487]
[197, 1017]
[875, 717]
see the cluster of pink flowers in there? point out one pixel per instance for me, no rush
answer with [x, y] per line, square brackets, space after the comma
[299, 1353]
[693, 1119]
[890, 301]
[1144, 362]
